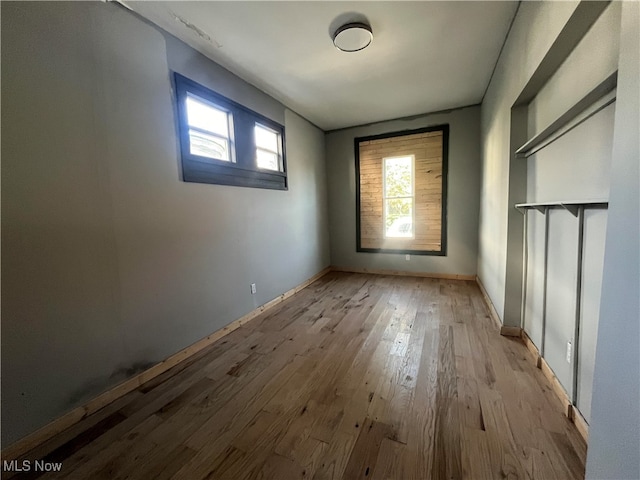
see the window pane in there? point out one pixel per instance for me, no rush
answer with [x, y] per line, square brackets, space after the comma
[397, 177]
[266, 138]
[208, 145]
[267, 160]
[204, 116]
[399, 218]
[217, 139]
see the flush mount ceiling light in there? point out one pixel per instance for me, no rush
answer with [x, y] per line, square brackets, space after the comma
[353, 37]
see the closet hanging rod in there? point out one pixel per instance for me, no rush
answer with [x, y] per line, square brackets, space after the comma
[597, 99]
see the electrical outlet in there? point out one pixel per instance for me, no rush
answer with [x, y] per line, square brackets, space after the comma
[407, 257]
[569, 351]
[253, 288]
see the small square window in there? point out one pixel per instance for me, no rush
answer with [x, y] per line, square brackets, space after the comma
[210, 146]
[267, 148]
[208, 130]
[205, 116]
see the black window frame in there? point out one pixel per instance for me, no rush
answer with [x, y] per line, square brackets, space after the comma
[243, 172]
[444, 128]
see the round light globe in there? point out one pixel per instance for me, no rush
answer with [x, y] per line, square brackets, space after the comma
[353, 37]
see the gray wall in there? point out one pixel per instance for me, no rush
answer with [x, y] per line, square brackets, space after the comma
[577, 165]
[595, 57]
[595, 222]
[535, 291]
[574, 167]
[614, 444]
[110, 263]
[534, 30]
[561, 287]
[462, 196]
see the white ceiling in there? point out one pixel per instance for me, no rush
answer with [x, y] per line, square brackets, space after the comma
[425, 56]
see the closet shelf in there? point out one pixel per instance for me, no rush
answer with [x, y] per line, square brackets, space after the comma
[597, 99]
[570, 205]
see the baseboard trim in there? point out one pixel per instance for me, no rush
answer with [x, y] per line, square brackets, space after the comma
[537, 359]
[581, 424]
[31, 441]
[507, 331]
[493, 313]
[557, 387]
[402, 273]
[569, 409]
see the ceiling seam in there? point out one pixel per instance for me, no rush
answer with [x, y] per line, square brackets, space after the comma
[506, 37]
[408, 118]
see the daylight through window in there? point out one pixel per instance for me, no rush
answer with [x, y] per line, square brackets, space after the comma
[398, 196]
[208, 130]
[401, 187]
[267, 152]
[223, 142]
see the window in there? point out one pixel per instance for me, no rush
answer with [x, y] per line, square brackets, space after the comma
[401, 181]
[223, 142]
[208, 129]
[397, 178]
[267, 148]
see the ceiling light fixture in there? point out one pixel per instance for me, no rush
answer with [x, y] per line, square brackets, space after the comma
[353, 37]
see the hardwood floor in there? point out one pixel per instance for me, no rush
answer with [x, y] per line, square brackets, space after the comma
[356, 376]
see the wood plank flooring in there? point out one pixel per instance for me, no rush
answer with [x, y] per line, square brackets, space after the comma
[356, 377]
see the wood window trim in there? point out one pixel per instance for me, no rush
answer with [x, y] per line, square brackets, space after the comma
[443, 225]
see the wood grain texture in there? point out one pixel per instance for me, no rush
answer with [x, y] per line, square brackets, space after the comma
[356, 376]
[581, 424]
[427, 149]
[493, 313]
[532, 348]
[511, 331]
[571, 411]
[71, 418]
[404, 273]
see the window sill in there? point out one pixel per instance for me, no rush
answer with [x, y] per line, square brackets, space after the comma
[196, 171]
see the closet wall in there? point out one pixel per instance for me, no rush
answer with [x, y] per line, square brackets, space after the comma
[568, 185]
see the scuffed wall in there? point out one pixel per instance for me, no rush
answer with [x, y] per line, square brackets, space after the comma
[110, 263]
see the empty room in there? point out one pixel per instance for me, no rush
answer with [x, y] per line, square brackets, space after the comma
[320, 240]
